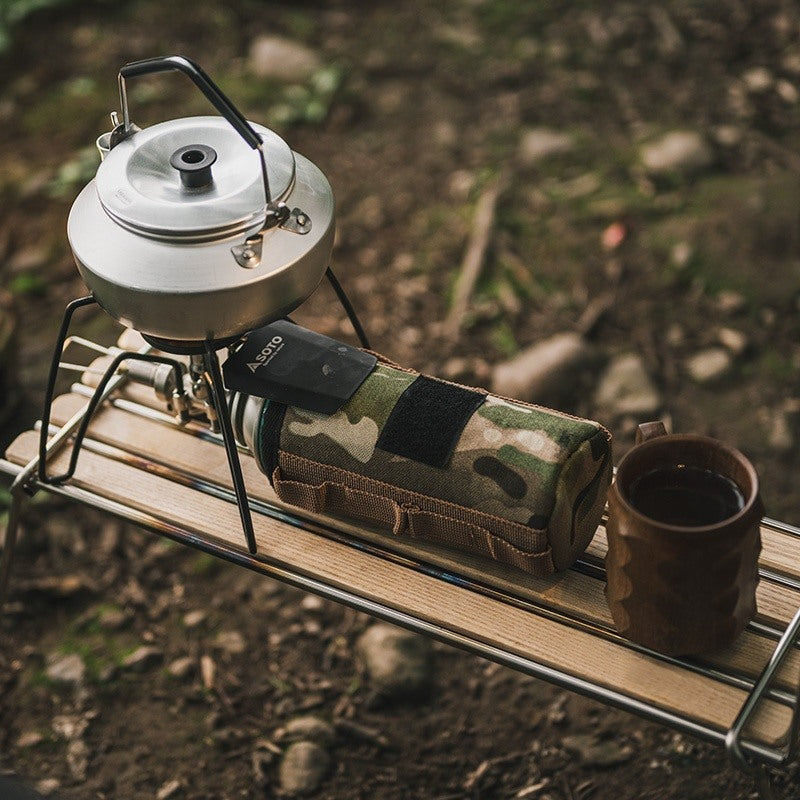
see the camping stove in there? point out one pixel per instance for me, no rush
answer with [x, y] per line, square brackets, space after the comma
[195, 232]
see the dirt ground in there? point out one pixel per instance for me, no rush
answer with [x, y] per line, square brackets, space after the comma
[412, 111]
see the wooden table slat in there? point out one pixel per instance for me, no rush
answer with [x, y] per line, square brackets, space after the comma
[485, 619]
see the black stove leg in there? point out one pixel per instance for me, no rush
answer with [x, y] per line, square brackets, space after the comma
[223, 415]
[51, 378]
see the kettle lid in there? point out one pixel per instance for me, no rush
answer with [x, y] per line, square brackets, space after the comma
[193, 179]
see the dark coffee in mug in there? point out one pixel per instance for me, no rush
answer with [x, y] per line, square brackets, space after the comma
[686, 496]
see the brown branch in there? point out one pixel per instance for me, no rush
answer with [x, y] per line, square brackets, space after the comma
[475, 255]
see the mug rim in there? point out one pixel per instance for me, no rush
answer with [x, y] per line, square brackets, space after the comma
[697, 438]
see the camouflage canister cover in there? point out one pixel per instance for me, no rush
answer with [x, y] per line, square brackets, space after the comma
[519, 483]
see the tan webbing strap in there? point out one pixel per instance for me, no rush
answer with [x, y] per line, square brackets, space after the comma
[334, 498]
[324, 489]
[474, 539]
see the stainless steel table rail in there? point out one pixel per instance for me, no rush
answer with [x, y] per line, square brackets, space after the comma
[759, 686]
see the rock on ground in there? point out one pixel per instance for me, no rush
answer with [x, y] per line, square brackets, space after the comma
[595, 752]
[67, 668]
[544, 371]
[231, 642]
[308, 729]
[734, 340]
[182, 667]
[677, 152]
[48, 786]
[625, 387]
[282, 59]
[398, 663]
[709, 365]
[303, 768]
[538, 144]
[78, 759]
[143, 658]
[169, 790]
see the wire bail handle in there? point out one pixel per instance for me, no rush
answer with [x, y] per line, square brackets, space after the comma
[276, 214]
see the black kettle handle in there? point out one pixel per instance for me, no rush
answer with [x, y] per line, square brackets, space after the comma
[188, 67]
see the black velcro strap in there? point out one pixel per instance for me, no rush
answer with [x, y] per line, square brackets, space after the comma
[427, 421]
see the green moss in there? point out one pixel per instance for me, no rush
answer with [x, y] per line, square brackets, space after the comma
[28, 283]
[301, 24]
[503, 339]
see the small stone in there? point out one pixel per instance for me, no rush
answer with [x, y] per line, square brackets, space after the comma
[181, 667]
[681, 255]
[143, 658]
[730, 302]
[625, 387]
[791, 62]
[193, 619]
[595, 752]
[709, 365]
[787, 92]
[728, 135]
[677, 152]
[208, 671]
[538, 144]
[307, 729]
[404, 263]
[107, 673]
[78, 759]
[544, 371]
[67, 668]
[282, 59]
[29, 739]
[48, 786]
[733, 340]
[69, 726]
[112, 619]
[398, 662]
[580, 186]
[758, 80]
[168, 790]
[459, 184]
[303, 767]
[445, 133]
[231, 642]
[312, 603]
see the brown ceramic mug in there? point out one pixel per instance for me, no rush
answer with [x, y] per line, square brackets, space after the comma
[683, 542]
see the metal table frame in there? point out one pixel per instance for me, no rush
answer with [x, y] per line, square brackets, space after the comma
[752, 757]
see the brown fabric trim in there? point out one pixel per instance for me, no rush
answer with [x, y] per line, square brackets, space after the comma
[334, 498]
[323, 489]
[524, 537]
[474, 539]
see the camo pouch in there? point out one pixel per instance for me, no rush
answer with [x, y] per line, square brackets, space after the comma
[432, 460]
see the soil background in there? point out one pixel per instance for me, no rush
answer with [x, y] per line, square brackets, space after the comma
[664, 250]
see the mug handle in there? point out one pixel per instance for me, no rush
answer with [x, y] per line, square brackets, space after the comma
[650, 430]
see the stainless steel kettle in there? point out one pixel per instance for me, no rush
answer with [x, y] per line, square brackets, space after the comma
[202, 228]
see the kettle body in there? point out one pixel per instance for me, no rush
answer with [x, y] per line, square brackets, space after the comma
[191, 231]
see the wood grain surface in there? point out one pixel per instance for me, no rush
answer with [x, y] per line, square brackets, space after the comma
[476, 615]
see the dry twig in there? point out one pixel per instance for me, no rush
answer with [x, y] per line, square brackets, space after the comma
[475, 255]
